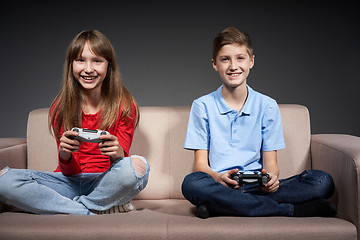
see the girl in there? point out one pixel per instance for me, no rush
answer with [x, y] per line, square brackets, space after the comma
[90, 178]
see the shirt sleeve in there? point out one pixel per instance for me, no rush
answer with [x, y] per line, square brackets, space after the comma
[198, 134]
[125, 130]
[70, 168]
[272, 132]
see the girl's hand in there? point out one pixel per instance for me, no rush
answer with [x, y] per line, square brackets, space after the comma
[68, 145]
[111, 147]
[226, 180]
[272, 185]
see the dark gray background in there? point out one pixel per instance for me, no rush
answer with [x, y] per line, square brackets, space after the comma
[306, 53]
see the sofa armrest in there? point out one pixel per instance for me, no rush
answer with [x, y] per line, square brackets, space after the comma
[339, 155]
[13, 152]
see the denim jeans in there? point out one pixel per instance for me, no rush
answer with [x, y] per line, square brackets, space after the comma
[53, 192]
[201, 189]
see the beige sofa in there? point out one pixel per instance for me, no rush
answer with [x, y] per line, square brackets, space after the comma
[162, 212]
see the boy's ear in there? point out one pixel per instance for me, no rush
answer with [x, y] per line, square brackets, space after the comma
[252, 61]
[214, 64]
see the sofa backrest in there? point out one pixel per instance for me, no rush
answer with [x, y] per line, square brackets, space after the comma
[160, 138]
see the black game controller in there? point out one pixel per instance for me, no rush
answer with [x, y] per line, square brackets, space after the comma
[87, 135]
[246, 178]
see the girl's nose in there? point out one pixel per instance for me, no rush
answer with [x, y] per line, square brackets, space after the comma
[89, 67]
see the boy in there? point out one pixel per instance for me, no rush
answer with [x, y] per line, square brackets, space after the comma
[238, 129]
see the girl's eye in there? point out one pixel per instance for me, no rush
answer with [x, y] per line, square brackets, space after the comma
[79, 60]
[97, 60]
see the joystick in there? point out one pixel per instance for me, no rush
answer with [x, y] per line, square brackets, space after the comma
[247, 178]
[88, 135]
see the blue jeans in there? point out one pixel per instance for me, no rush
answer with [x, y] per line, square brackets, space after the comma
[53, 192]
[201, 189]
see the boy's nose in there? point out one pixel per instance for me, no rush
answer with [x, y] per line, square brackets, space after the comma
[233, 66]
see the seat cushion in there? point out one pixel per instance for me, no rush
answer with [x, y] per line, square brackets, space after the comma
[170, 219]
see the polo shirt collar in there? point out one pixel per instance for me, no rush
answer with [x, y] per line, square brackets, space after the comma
[224, 107]
[249, 102]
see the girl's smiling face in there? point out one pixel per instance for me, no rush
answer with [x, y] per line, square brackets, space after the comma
[89, 69]
[233, 63]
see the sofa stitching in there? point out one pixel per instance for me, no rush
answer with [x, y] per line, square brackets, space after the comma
[13, 147]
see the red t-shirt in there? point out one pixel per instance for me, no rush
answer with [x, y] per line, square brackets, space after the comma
[88, 159]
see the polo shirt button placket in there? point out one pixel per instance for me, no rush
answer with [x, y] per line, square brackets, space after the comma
[234, 126]
[237, 128]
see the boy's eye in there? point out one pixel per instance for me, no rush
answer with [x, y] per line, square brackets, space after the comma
[224, 59]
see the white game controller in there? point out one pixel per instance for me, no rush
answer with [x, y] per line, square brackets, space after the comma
[88, 135]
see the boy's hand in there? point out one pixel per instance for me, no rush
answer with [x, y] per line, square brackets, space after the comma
[225, 179]
[111, 147]
[272, 185]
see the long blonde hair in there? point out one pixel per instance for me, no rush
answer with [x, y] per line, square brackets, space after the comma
[66, 108]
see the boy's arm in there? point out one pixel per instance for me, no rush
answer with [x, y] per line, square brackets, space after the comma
[270, 162]
[201, 164]
[270, 167]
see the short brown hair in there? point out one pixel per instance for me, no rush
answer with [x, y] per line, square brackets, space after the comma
[231, 35]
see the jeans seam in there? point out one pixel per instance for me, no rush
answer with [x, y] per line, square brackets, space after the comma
[4, 170]
[291, 210]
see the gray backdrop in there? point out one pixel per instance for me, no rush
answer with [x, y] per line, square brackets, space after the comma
[306, 53]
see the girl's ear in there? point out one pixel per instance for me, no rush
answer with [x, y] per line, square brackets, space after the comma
[214, 65]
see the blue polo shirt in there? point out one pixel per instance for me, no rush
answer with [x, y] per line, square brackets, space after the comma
[234, 139]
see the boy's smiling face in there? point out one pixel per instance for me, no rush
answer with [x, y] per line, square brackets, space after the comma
[233, 63]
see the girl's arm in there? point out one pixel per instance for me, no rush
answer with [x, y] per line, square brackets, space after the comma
[111, 147]
[201, 164]
[270, 167]
[68, 163]
[68, 146]
[118, 145]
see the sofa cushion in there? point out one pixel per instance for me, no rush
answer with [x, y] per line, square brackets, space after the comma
[160, 138]
[41, 145]
[170, 219]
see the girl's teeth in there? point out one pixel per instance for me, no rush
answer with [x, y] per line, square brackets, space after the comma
[89, 78]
